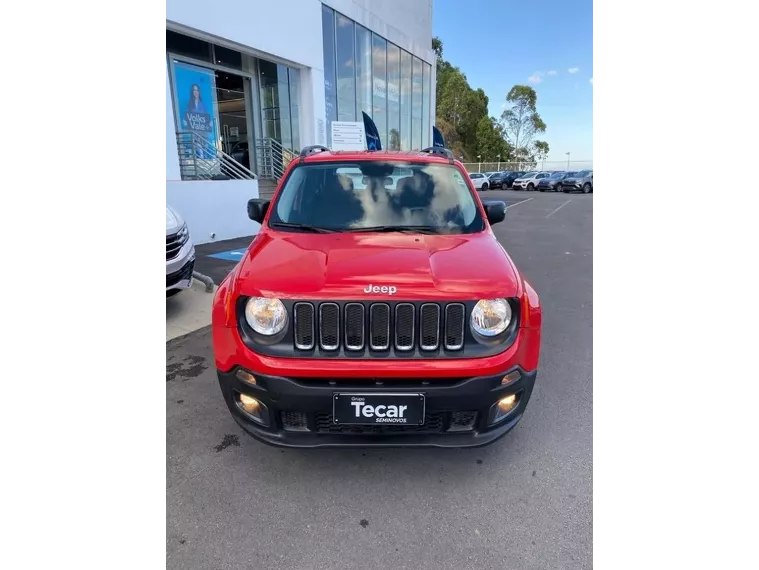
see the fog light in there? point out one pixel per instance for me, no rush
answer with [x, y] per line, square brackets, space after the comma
[505, 405]
[253, 408]
[502, 408]
[511, 377]
[246, 376]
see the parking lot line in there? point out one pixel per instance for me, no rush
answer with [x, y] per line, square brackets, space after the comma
[559, 208]
[517, 204]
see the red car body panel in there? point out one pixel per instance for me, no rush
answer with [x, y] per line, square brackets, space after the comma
[341, 265]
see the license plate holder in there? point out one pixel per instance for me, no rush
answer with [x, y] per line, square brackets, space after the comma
[362, 408]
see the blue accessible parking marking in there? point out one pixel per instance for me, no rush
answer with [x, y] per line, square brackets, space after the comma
[232, 255]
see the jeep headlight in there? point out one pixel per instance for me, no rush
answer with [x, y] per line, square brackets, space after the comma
[491, 317]
[265, 316]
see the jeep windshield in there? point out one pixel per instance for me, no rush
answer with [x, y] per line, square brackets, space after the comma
[381, 196]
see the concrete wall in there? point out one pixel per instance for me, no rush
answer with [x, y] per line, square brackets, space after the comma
[217, 207]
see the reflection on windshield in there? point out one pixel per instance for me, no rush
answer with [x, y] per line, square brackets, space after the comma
[366, 194]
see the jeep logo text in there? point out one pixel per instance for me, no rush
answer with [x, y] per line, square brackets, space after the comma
[389, 289]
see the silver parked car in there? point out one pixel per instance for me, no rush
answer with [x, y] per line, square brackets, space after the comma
[582, 181]
[180, 254]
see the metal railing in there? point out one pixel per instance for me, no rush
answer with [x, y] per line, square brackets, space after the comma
[200, 159]
[272, 158]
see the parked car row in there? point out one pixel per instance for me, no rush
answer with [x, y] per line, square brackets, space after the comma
[543, 181]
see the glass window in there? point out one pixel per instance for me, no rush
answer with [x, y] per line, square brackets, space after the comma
[377, 196]
[270, 124]
[294, 78]
[180, 44]
[416, 105]
[346, 74]
[405, 100]
[227, 57]
[393, 97]
[426, 106]
[379, 87]
[363, 72]
[330, 89]
[283, 93]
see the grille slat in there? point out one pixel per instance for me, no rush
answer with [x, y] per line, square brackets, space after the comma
[454, 326]
[429, 326]
[404, 326]
[354, 326]
[304, 326]
[329, 326]
[174, 243]
[379, 321]
[345, 326]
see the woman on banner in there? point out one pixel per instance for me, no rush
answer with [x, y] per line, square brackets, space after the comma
[195, 105]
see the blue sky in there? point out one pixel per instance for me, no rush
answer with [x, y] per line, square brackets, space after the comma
[501, 43]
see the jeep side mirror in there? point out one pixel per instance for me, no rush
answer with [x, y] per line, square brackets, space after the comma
[495, 210]
[257, 208]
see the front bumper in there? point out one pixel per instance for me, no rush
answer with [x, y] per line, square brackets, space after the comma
[310, 401]
[182, 278]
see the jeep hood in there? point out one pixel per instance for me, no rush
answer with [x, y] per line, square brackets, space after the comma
[343, 265]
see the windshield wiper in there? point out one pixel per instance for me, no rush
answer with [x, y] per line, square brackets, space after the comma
[303, 227]
[402, 229]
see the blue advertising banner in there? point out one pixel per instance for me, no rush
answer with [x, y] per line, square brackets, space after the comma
[195, 100]
[373, 141]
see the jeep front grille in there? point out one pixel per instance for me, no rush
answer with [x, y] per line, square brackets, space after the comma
[380, 327]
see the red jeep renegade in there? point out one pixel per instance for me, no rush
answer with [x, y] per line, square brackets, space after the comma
[376, 308]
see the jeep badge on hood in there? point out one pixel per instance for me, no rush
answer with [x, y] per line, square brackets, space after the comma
[390, 290]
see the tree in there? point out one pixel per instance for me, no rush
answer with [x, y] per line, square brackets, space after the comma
[437, 47]
[521, 121]
[395, 140]
[490, 141]
[461, 114]
[540, 150]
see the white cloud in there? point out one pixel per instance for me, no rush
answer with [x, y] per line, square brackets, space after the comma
[590, 81]
[573, 69]
[536, 77]
[552, 72]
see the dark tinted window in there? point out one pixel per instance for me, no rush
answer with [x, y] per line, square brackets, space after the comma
[345, 196]
[228, 57]
[180, 44]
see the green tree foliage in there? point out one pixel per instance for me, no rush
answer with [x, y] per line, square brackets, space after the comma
[541, 150]
[521, 122]
[395, 140]
[490, 140]
[462, 116]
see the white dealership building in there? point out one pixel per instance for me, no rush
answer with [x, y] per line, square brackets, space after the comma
[251, 82]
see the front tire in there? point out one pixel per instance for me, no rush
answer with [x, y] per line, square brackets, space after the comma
[530, 187]
[485, 186]
[586, 188]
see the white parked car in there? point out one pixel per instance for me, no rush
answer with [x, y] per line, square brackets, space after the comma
[529, 181]
[479, 180]
[180, 254]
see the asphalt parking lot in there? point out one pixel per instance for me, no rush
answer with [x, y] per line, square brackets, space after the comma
[523, 502]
